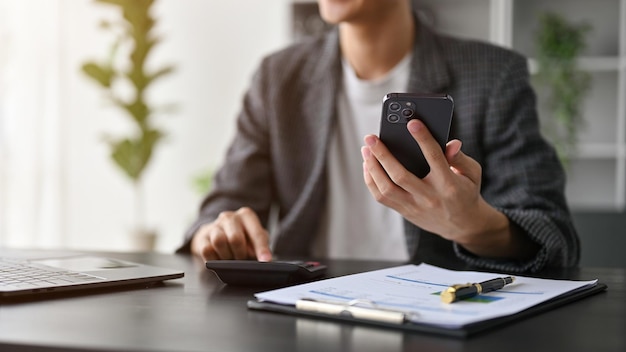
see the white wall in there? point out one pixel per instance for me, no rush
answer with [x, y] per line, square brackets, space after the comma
[215, 46]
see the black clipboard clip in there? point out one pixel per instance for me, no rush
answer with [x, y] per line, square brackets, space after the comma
[357, 309]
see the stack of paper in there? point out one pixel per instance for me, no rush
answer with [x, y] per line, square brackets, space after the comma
[415, 289]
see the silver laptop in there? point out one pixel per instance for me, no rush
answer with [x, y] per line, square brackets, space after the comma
[22, 275]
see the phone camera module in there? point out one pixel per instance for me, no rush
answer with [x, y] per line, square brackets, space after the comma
[393, 118]
[394, 106]
[407, 113]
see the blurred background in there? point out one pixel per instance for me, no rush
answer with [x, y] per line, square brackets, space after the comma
[59, 186]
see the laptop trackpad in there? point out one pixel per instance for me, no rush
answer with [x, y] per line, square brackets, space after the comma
[83, 264]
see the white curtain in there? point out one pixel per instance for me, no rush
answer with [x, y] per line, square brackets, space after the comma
[58, 186]
[31, 128]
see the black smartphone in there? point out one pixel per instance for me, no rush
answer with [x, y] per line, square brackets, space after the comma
[434, 110]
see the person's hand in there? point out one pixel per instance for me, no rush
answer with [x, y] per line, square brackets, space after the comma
[446, 202]
[233, 235]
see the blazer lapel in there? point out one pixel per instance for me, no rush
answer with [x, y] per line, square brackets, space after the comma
[428, 70]
[318, 115]
[321, 100]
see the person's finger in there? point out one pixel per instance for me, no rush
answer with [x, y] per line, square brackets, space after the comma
[430, 148]
[257, 235]
[236, 235]
[201, 244]
[219, 242]
[208, 252]
[367, 176]
[462, 164]
[453, 147]
[378, 180]
[388, 173]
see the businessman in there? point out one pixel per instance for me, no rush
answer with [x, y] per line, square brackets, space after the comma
[494, 198]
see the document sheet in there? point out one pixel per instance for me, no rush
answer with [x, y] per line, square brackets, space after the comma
[415, 290]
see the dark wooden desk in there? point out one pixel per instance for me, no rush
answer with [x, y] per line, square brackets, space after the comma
[198, 313]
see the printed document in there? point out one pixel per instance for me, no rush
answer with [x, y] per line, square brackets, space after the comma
[415, 290]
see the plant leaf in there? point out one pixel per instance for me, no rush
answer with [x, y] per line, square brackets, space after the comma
[100, 73]
[133, 155]
[160, 73]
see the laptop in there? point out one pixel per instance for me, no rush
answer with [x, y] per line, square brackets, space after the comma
[21, 275]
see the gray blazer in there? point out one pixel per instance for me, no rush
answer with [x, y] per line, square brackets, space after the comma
[277, 160]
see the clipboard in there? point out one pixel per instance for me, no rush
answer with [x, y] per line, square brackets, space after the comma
[461, 332]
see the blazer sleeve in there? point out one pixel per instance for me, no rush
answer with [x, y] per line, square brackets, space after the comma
[244, 177]
[523, 177]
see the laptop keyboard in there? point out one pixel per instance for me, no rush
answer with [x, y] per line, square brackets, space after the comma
[21, 274]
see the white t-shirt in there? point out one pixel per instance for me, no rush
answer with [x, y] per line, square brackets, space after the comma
[354, 225]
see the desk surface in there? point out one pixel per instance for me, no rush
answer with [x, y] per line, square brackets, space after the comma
[199, 313]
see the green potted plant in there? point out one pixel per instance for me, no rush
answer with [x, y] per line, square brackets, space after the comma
[559, 44]
[132, 153]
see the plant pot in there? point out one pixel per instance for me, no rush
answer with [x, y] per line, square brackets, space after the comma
[143, 240]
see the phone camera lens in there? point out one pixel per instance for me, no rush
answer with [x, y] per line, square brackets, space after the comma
[407, 113]
[393, 118]
[394, 106]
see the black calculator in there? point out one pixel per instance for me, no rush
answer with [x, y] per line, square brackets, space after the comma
[274, 273]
